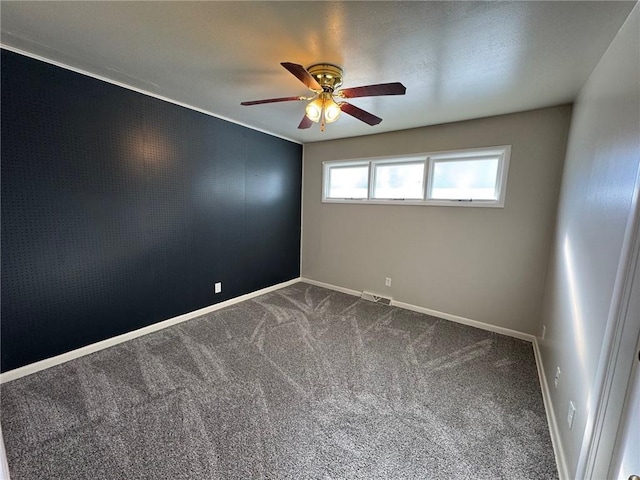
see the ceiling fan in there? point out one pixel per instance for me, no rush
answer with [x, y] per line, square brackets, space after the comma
[323, 79]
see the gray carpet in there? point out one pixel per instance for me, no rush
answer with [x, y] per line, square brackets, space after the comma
[302, 383]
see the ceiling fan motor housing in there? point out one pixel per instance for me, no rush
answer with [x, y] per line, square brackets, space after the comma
[327, 75]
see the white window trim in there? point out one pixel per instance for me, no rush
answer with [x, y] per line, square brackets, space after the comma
[502, 151]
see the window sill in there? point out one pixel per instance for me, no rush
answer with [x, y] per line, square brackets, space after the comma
[422, 203]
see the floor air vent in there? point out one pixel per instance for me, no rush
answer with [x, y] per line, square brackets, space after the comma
[372, 297]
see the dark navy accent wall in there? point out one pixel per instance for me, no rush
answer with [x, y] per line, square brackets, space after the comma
[120, 210]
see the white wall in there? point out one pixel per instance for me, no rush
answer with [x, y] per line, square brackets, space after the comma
[595, 207]
[484, 264]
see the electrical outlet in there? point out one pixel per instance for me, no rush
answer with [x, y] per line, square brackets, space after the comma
[218, 287]
[387, 282]
[558, 373]
[544, 331]
[571, 414]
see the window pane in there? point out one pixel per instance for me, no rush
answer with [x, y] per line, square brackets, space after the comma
[349, 182]
[465, 179]
[400, 180]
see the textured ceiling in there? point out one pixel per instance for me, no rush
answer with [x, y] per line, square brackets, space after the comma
[458, 60]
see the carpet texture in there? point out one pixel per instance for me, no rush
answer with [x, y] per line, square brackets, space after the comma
[301, 383]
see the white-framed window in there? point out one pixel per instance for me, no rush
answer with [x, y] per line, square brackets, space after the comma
[347, 180]
[397, 179]
[472, 177]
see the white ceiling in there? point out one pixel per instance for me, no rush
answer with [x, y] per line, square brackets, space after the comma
[458, 60]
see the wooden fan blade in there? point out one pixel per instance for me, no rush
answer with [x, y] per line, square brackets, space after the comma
[360, 114]
[301, 74]
[395, 88]
[272, 100]
[305, 122]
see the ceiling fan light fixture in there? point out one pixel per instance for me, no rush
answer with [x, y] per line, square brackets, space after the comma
[323, 108]
[314, 110]
[331, 110]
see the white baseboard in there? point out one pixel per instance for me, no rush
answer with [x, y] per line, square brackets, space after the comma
[558, 451]
[109, 342]
[447, 316]
[466, 321]
[4, 465]
[348, 291]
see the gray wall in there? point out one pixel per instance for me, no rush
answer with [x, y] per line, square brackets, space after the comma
[485, 264]
[595, 207]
